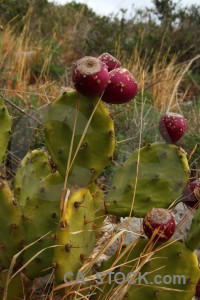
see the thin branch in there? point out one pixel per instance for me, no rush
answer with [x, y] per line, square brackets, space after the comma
[21, 110]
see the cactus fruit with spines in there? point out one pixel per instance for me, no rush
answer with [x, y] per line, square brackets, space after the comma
[97, 148]
[10, 226]
[191, 195]
[76, 234]
[122, 87]
[90, 76]
[174, 259]
[162, 220]
[5, 129]
[163, 174]
[110, 61]
[172, 127]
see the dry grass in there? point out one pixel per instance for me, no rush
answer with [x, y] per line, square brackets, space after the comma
[165, 79]
[19, 54]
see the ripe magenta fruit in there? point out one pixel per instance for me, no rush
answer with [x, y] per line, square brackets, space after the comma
[172, 127]
[197, 295]
[52, 165]
[90, 76]
[122, 87]
[191, 195]
[110, 61]
[161, 219]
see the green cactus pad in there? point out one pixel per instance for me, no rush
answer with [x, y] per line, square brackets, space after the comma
[5, 125]
[34, 167]
[18, 287]
[98, 145]
[10, 226]
[174, 259]
[163, 175]
[42, 215]
[193, 238]
[76, 234]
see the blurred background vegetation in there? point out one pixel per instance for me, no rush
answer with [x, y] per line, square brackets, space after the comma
[160, 46]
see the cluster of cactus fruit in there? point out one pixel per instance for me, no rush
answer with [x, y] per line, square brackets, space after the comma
[57, 207]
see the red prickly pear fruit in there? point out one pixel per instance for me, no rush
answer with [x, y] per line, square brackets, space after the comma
[110, 61]
[197, 295]
[172, 127]
[191, 194]
[121, 88]
[161, 219]
[90, 76]
[52, 165]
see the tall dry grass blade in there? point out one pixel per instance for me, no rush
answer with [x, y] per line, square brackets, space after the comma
[138, 161]
[1, 36]
[86, 267]
[181, 77]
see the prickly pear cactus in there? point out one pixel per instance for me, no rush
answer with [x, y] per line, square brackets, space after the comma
[193, 238]
[41, 215]
[76, 234]
[174, 259]
[163, 175]
[34, 167]
[5, 125]
[98, 145]
[10, 226]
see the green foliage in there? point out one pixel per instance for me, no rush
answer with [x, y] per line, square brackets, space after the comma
[83, 32]
[164, 9]
[55, 68]
[10, 9]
